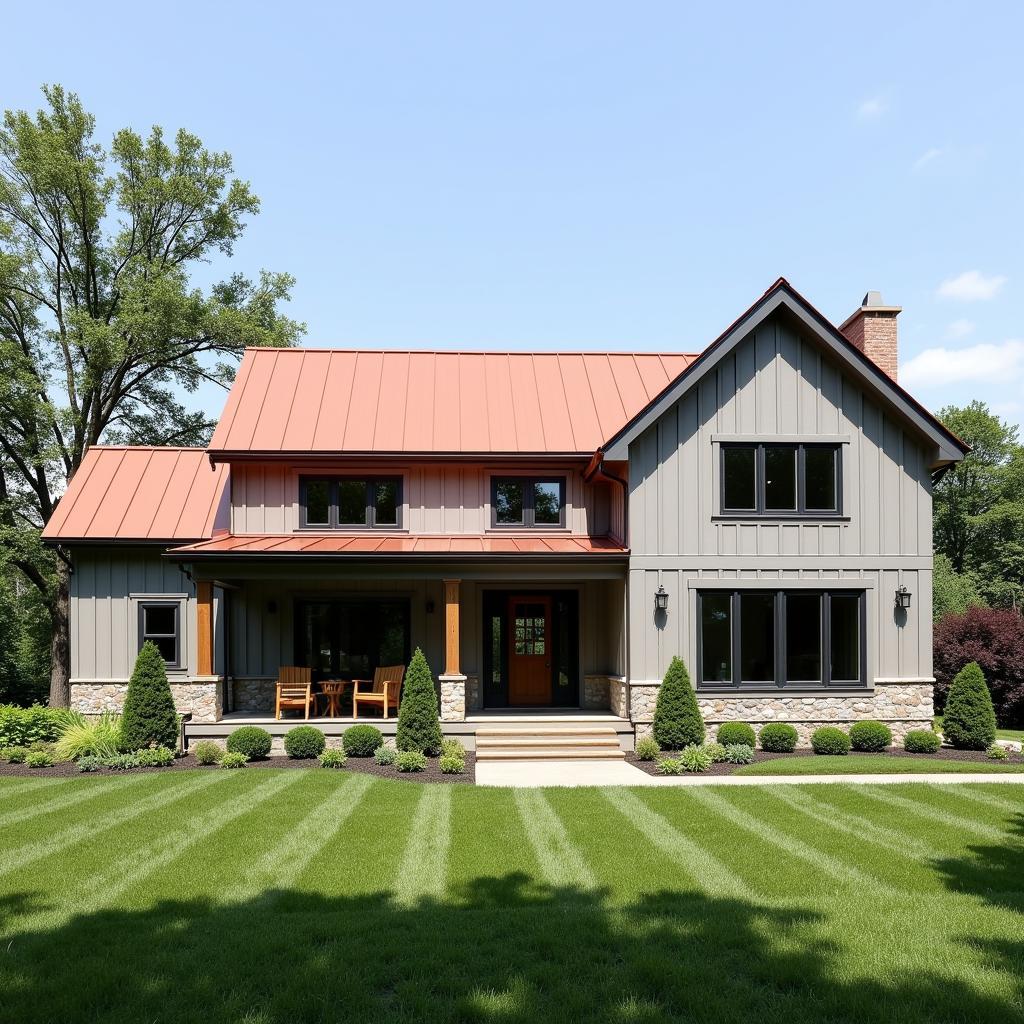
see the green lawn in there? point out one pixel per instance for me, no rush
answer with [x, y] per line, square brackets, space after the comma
[873, 764]
[1001, 734]
[270, 896]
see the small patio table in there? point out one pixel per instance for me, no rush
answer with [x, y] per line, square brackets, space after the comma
[334, 690]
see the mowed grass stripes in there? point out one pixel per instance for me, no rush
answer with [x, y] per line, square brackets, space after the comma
[267, 896]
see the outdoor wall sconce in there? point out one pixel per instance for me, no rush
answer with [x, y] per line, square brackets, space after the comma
[661, 599]
[903, 597]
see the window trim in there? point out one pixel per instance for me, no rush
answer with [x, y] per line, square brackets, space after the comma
[333, 521]
[780, 682]
[144, 636]
[761, 511]
[528, 521]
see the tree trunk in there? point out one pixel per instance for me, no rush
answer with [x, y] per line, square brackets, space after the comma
[60, 643]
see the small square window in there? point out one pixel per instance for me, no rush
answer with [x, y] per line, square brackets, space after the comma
[159, 625]
[528, 502]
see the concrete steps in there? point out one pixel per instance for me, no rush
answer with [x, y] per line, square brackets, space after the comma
[548, 743]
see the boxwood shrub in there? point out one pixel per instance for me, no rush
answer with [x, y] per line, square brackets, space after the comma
[304, 741]
[830, 740]
[922, 741]
[870, 737]
[208, 752]
[969, 722]
[361, 740]
[778, 738]
[677, 718]
[250, 740]
[730, 733]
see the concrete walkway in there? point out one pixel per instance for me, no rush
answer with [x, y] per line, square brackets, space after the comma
[527, 774]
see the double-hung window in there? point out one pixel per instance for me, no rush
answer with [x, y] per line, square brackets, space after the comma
[160, 624]
[532, 502]
[781, 480]
[781, 638]
[350, 503]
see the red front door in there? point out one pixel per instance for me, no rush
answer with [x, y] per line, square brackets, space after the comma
[529, 654]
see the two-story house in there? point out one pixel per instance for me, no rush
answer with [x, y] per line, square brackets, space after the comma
[550, 528]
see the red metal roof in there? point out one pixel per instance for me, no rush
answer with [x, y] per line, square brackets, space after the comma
[372, 545]
[140, 494]
[329, 401]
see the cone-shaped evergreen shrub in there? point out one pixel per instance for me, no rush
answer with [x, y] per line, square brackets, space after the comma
[419, 727]
[149, 718]
[970, 720]
[677, 718]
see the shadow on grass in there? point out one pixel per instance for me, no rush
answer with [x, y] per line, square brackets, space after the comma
[503, 950]
[994, 872]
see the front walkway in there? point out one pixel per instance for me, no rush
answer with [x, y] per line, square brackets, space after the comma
[528, 775]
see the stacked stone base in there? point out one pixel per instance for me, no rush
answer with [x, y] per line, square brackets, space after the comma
[202, 698]
[901, 706]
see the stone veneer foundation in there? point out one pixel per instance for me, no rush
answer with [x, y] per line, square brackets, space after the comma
[901, 704]
[201, 696]
[453, 698]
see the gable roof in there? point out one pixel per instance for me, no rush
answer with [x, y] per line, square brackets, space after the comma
[782, 296]
[139, 494]
[324, 401]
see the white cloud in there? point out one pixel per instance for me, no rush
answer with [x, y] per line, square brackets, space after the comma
[971, 286]
[871, 108]
[935, 367]
[960, 328]
[926, 158]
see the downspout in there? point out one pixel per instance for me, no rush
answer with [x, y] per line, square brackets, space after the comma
[595, 469]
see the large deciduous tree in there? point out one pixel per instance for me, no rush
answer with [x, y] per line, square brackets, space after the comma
[101, 329]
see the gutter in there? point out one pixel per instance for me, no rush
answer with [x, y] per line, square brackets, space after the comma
[595, 469]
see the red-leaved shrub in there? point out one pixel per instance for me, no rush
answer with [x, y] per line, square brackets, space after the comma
[994, 638]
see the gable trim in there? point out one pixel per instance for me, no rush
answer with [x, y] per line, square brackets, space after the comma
[947, 447]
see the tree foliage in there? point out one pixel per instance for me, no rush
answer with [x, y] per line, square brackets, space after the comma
[953, 592]
[101, 328]
[677, 718]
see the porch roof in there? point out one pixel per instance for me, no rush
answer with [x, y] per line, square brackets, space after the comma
[363, 545]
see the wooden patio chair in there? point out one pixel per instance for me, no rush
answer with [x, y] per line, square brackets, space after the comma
[383, 691]
[294, 689]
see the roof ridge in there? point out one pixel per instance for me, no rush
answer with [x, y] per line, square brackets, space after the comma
[402, 350]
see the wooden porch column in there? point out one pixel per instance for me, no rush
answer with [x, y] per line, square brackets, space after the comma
[451, 627]
[204, 626]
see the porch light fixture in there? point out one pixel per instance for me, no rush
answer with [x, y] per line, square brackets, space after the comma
[661, 599]
[903, 597]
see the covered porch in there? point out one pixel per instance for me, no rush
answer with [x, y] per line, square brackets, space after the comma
[517, 637]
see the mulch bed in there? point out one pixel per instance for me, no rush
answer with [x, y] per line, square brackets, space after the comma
[945, 754]
[363, 765]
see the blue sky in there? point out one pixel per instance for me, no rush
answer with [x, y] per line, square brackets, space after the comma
[566, 175]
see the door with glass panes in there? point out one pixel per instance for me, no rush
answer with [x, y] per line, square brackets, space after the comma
[529, 653]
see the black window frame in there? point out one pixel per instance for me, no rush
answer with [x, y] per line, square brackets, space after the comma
[760, 511]
[528, 483]
[175, 605]
[780, 654]
[333, 517]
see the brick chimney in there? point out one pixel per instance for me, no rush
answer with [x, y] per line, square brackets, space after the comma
[872, 329]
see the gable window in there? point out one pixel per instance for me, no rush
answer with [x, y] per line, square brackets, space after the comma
[781, 480]
[784, 638]
[350, 503]
[159, 623]
[527, 501]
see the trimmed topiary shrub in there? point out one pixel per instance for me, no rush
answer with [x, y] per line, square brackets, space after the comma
[385, 755]
[694, 758]
[730, 733]
[870, 737]
[970, 721]
[411, 761]
[419, 726]
[677, 718]
[830, 740]
[250, 740]
[361, 740]
[452, 765]
[149, 718]
[739, 753]
[332, 758]
[647, 749]
[233, 759]
[778, 738]
[208, 752]
[922, 741]
[304, 741]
